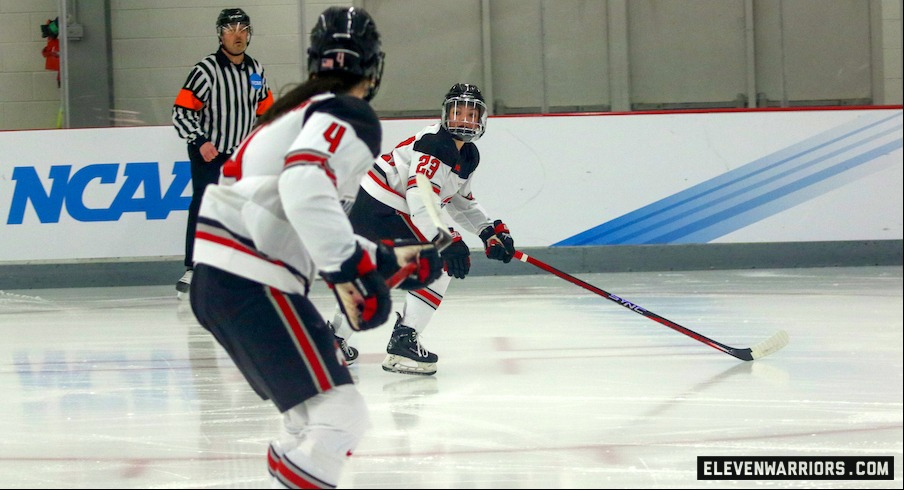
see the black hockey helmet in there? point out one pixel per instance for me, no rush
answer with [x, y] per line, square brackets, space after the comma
[346, 39]
[464, 96]
[233, 16]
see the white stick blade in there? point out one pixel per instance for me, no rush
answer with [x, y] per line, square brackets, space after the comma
[770, 345]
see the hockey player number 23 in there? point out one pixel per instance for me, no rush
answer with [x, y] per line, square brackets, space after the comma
[427, 165]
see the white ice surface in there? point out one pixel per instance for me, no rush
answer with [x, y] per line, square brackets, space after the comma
[540, 384]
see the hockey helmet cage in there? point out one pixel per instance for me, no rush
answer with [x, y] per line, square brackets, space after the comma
[346, 39]
[465, 112]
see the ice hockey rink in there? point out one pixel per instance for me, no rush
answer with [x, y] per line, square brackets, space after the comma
[541, 384]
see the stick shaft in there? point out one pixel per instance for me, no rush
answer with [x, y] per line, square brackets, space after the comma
[739, 353]
[425, 189]
[442, 240]
[401, 274]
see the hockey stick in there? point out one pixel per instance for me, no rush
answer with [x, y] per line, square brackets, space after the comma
[442, 239]
[400, 275]
[351, 300]
[764, 348]
[425, 188]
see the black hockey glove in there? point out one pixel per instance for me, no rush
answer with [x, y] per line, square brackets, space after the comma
[498, 242]
[426, 264]
[360, 290]
[457, 256]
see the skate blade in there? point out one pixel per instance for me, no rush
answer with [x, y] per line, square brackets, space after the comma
[403, 365]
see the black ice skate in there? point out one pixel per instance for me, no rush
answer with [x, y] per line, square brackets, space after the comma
[406, 355]
[348, 352]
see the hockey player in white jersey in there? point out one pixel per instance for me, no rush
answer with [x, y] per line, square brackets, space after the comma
[389, 206]
[278, 221]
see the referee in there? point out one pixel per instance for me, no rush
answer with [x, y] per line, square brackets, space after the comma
[218, 105]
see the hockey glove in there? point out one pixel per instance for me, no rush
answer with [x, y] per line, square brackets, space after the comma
[457, 257]
[360, 290]
[498, 242]
[422, 259]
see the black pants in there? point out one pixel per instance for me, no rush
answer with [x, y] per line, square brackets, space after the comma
[376, 221]
[202, 174]
[278, 340]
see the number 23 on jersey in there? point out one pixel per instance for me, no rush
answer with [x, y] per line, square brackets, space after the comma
[427, 165]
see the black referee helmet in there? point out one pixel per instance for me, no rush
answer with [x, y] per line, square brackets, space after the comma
[232, 16]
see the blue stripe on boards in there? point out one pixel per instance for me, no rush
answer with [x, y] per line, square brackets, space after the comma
[753, 191]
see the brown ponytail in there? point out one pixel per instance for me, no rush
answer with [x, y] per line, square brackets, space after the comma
[338, 82]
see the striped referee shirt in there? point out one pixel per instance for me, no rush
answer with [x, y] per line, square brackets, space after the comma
[221, 101]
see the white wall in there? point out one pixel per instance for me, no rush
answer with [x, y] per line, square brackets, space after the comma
[528, 55]
[730, 177]
[29, 96]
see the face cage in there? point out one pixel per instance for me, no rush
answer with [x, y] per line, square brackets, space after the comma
[247, 27]
[475, 129]
[377, 78]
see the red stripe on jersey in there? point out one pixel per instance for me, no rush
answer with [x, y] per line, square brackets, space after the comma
[381, 183]
[407, 219]
[233, 167]
[210, 237]
[305, 157]
[308, 158]
[406, 142]
[412, 183]
[305, 343]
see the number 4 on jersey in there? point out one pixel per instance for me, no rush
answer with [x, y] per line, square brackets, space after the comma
[333, 136]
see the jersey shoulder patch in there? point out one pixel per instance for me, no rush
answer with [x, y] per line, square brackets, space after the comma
[356, 112]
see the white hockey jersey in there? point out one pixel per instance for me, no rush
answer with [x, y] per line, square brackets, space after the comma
[432, 152]
[279, 214]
